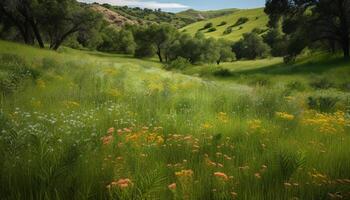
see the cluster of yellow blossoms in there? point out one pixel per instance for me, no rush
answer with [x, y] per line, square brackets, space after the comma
[285, 116]
[326, 122]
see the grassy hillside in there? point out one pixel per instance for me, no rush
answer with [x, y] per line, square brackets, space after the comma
[144, 16]
[197, 15]
[257, 19]
[88, 125]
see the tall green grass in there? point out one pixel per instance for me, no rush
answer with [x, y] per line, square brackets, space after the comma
[54, 142]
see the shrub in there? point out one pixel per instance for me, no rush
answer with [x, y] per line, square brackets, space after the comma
[222, 72]
[251, 46]
[228, 30]
[322, 84]
[323, 103]
[295, 85]
[178, 63]
[207, 25]
[258, 30]
[289, 59]
[241, 21]
[260, 81]
[15, 70]
[222, 23]
[212, 29]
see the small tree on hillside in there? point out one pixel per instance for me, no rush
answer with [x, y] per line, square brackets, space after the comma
[251, 46]
[225, 51]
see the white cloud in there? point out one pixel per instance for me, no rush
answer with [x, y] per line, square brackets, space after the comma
[139, 3]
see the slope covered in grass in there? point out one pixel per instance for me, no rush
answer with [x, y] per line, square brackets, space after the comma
[87, 125]
[196, 15]
[256, 19]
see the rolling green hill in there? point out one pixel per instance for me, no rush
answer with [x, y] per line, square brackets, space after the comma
[257, 19]
[202, 15]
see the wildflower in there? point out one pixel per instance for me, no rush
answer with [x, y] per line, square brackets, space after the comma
[221, 175]
[286, 184]
[121, 183]
[257, 175]
[107, 139]
[184, 173]
[41, 83]
[207, 126]
[255, 124]
[234, 195]
[172, 186]
[160, 140]
[285, 116]
[223, 117]
[110, 131]
[127, 130]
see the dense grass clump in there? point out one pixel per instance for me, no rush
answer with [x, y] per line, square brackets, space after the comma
[100, 126]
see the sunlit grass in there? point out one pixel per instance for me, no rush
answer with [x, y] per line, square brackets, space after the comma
[101, 126]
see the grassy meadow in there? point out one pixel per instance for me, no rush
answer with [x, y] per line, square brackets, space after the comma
[87, 125]
[256, 19]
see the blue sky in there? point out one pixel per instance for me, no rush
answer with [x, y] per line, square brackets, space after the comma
[177, 5]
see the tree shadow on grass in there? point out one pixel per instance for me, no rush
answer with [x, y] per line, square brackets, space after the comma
[304, 67]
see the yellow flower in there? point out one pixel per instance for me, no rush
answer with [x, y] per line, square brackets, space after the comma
[223, 117]
[184, 173]
[71, 104]
[41, 83]
[207, 125]
[285, 116]
[255, 124]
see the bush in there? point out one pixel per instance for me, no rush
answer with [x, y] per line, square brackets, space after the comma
[207, 26]
[295, 86]
[178, 63]
[251, 46]
[222, 23]
[323, 103]
[228, 30]
[289, 59]
[222, 72]
[258, 30]
[212, 30]
[241, 21]
[14, 71]
[322, 84]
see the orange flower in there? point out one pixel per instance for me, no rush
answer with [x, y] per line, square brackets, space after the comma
[221, 175]
[110, 131]
[127, 130]
[121, 183]
[172, 186]
[107, 139]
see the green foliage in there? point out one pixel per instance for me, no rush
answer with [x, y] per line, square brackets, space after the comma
[223, 23]
[212, 29]
[207, 26]
[251, 46]
[241, 21]
[322, 83]
[178, 63]
[323, 103]
[222, 72]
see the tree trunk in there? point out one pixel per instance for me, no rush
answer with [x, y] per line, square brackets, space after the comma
[37, 34]
[159, 53]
